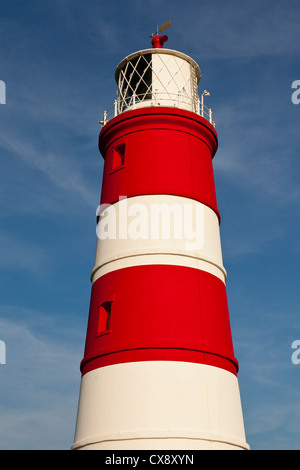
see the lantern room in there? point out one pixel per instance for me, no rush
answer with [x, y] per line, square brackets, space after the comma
[158, 77]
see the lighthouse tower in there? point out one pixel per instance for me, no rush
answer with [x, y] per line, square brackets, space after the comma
[159, 370]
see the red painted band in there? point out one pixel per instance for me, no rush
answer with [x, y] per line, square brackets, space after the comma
[159, 312]
[158, 151]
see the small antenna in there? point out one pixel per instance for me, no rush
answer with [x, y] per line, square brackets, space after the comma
[161, 29]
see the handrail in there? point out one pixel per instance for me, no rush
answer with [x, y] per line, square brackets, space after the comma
[178, 101]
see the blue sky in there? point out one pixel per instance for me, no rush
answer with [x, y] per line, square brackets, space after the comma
[57, 60]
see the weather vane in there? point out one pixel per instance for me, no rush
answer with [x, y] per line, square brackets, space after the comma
[161, 29]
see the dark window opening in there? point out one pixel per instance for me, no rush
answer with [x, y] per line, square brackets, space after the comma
[118, 157]
[104, 315]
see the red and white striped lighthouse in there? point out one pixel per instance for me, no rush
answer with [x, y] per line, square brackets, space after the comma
[159, 370]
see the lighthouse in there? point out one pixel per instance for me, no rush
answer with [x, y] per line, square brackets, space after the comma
[158, 370]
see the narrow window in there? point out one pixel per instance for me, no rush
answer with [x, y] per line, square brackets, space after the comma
[118, 157]
[104, 314]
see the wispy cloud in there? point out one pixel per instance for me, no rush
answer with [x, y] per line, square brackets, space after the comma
[39, 382]
[238, 29]
[270, 402]
[255, 151]
[62, 171]
[19, 254]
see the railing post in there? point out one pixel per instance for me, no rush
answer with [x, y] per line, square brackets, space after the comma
[116, 107]
[210, 115]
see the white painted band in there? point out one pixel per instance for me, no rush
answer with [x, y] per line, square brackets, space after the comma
[161, 400]
[167, 229]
